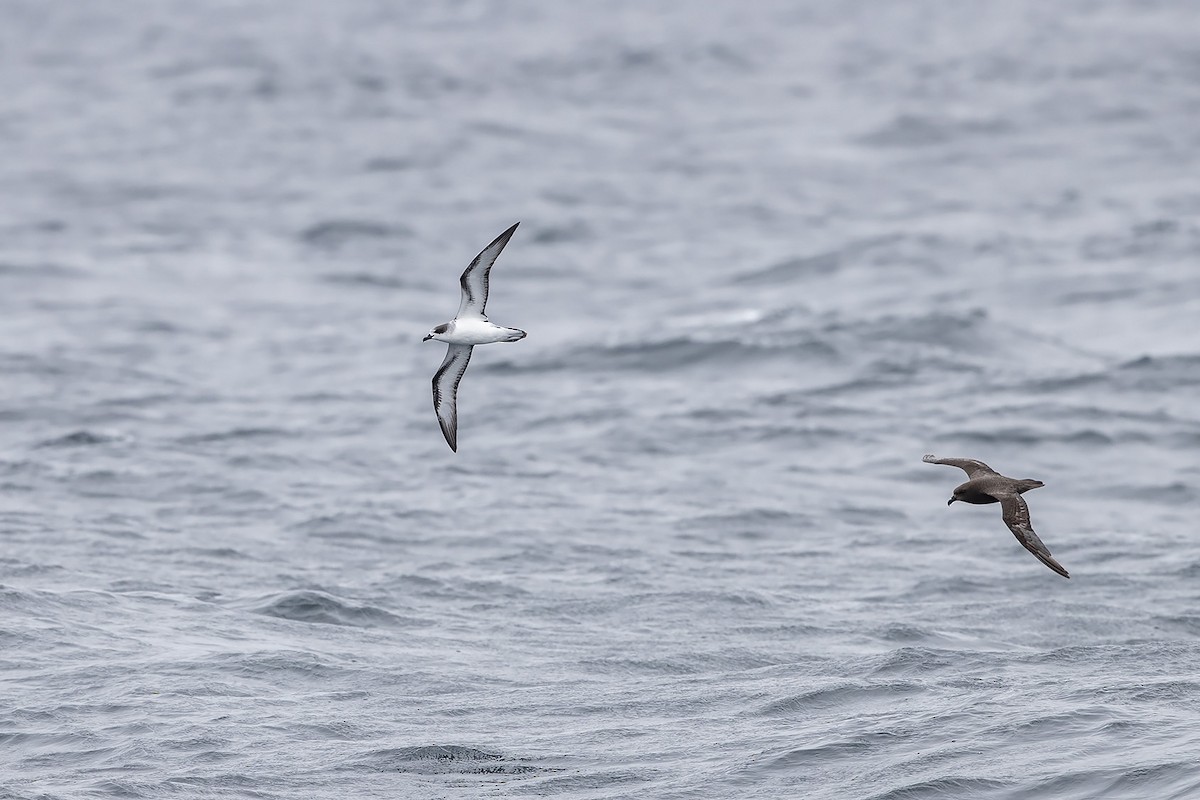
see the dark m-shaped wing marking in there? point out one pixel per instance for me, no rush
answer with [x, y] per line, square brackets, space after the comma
[474, 280]
[445, 390]
[973, 468]
[1016, 517]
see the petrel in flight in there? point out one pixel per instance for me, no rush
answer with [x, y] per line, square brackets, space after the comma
[985, 485]
[468, 328]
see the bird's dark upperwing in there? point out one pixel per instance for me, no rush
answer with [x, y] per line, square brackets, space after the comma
[445, 390]
[973, 468]
[1016, 517]
[474, 280]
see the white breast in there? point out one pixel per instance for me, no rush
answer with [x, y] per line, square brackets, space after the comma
[474, 331]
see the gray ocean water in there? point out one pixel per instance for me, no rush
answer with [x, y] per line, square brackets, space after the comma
[769, 256]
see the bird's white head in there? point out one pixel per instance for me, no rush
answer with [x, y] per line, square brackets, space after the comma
[438, 331]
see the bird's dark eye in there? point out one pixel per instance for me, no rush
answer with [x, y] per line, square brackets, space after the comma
[440, 329]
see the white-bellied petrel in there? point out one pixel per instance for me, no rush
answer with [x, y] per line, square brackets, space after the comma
[985, 485]
[468, 328]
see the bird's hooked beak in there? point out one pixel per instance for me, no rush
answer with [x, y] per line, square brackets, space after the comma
[428, 336]
[951, 500]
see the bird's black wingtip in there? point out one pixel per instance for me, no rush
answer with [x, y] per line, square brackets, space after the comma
[501, 240]
[450, 437]
[1056, 567]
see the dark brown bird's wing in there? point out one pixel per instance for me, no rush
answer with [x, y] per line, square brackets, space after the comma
[1016, 517]
[475, 278]
[973, 468]
[445, 390]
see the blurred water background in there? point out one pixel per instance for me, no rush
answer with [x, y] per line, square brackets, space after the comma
[770, 254]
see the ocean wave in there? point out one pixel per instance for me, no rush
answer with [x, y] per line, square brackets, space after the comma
[1142, 374]
[369, 526]
[1000, 435]
[389, 164]
[792, 268]
[883, 349]
[929, 252]
[81, 438]
[338, 233]
[925, 130]
[40, 270]
[1175, 493]
[235, 434]
[951, 786]
[14, 568]
[369, 280]
[622, 68]
[674, 352]
[570, 232]
[834, 697]
[442, 759]
[1158, 239]
[1171, 780]
[1159, 373]
[747, 520]
[320, 608]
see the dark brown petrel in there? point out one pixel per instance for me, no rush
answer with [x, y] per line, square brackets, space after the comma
[985, 485]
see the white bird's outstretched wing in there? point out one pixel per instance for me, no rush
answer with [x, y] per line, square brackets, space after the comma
[474, 280]
[973, 468]
[1016, 517]
[445, 390]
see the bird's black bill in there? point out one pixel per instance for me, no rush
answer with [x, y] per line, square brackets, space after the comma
[951, 500]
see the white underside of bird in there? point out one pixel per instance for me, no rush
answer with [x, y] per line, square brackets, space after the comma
[476, 330]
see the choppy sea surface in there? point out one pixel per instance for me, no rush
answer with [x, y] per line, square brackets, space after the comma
[770, 254]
